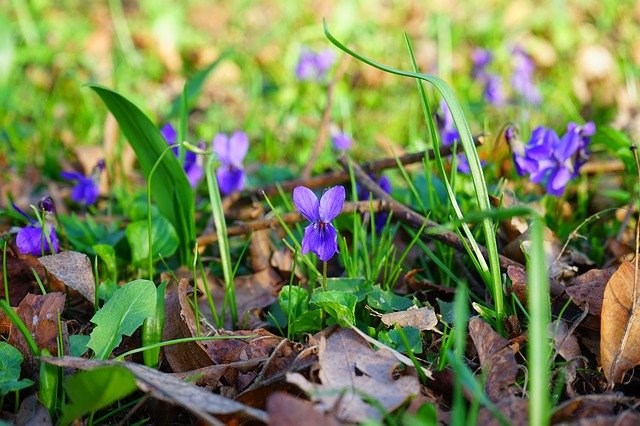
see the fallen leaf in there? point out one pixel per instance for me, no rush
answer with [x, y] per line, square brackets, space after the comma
[587, 290]
[286, 410]
[40, 314]
[514, 408]
[620, 325]
[74, 270]
[349, 369]
[497, 359]
[421, 318]
[589, 406]
[167, 388]
[32, 412]
[564, 343]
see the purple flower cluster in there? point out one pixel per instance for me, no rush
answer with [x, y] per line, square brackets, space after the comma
[314, 65]
[341, 141]
[553, 160]
[33, 239]
[492, 83]
[522, 77]
[87, 188]
[192, 165]
[231, 151]
[320, 237]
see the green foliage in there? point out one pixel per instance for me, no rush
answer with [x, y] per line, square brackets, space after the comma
[84, 234]
[393, 339]
[152, 329]
[339, 305]
[169, 185]
[122, 315]
[78, 344]
[165, 240]
[10, 367]
[92, 390]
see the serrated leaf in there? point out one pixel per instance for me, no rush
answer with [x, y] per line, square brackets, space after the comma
[92, 390]
[164, 239]
[122, 315]
[170, 188]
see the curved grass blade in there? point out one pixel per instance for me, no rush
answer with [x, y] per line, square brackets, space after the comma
[170, 188]
[466, 138]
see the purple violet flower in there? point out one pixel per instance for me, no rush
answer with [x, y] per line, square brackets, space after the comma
[341, 141]
[31, 239]
[87, 188]
[314, 65]
[522, 77]
[193, 163]
[553, 160]
[320, 236]
[493, 92]
[481, 59]
[231, 151]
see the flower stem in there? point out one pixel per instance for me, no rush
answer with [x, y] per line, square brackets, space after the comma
[324, 276]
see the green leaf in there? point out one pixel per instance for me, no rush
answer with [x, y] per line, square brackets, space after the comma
[309, 321]
[393, 339]
[122, 315]
[164, 239]
[78, 344]
[107, 254]
[293, 300]
[339, 305]
[359, 287]
[387, 301]
[92, 390]
[170, 188]
[10, 361]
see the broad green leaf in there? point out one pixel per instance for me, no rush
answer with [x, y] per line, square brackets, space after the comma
[170, 188]
[293, 300]
[92, 390]
[339, 305]
[309, 321]
[122, 315]
[10, 361]
[359, 287]
[393, 339]
[164, 239]
[78, 344]
[107, 254]
[387, 301]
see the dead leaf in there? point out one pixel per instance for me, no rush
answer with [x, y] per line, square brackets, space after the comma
[349, 368]
[497, 359]
[167, 388]
[620, 325]
[74, 270]
[564, 343]
[40, 314]
[514, 409]
[32, 412]
[421, 318]
[589, 406]
[286, 410]
[588, 289]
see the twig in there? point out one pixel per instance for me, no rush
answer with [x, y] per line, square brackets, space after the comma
[337, 177]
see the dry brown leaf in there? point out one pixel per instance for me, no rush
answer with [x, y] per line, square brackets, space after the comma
[167, 388]
[589, 406]
[497, 359]
[74, 270]
[32, 412]
[421, 318]
[513, 408]
[564, 343]
[620, 324]
[349, 368]
[588, 289]
[40, 314]
[286, 410]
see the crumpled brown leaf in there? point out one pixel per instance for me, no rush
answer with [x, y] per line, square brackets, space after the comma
[620, 324]
[40, 314]
[287, 410]
[74, 270]
[497, 359]
[421, 318]
[349, 368]
[588, 289]
[167, 388]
